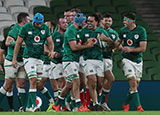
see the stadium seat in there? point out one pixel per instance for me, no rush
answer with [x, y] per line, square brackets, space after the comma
[125, 9]
[55, 3]
[1, 4]
[152, 37]
[32, 3]
[117, 24]
[118, 3]
[83, 3]
[145, 76]
[17, 9]
[4, 17]
[116, 17]
[59, 11]
[42, 9]
[49, 17]
[4, 24]
[3, 10]
[86, 10]
[152, 71]
[104, 9]
[97, 3]
[10, 3]
[155, 76]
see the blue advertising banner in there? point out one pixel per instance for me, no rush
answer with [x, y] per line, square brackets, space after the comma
[148, 90]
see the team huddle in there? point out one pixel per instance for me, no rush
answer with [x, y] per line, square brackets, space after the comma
[74, 55]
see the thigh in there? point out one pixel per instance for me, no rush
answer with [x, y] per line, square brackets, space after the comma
[10, 71]
[128, 68]
[89, 68]
[56, 71]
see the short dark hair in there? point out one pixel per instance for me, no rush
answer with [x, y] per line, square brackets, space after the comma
[97, 18]
[75, 10]
[22, 16]
[107, 15]
[99, 14]
[130, 15]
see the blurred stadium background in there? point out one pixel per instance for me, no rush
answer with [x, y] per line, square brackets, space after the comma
[148, 15]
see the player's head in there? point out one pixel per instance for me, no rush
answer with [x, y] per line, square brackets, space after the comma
[80, 19]
[107, 20]
[67, 15]
[62, 24]
[23, 18]
[73, 12]
[99, 14]
[129, 18]
[93, 21]
[51, 25]
[38, 19]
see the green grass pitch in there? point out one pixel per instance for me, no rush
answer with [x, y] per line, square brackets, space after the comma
[83, 113]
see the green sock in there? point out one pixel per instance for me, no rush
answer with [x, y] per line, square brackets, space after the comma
[69, 97]
[63, 104]
[136, 99]
[78, 103]
[46, 93]
[29, 103]
[72, 103]
[2, 93]
[1, 96]
[23, 99]
[59, 101]
[103, 97]
[33, 98]
[128, 99]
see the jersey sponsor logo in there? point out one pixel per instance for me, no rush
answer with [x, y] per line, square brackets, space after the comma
[113, 36]
[86, 35]
[36, 38]
[78, 36]
[30, 33]
[57, 40]
[43, 32]
[129, 42]
[80, 42]
[124, 35]
[136, 36]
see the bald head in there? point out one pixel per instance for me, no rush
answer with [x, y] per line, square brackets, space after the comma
[62, 24]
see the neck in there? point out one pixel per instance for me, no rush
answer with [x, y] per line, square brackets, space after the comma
[76, 25]
[132, 26]
[20, 24]
[61, 31]
[107, 28]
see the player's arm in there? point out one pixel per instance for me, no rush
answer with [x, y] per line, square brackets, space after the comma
[50, 47]
[107, 39]
[75, 47]
[10, 41]
[16, 50]
[141, 48]
[1, 58]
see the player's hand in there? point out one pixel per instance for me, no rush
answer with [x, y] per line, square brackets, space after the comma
[51, 55]
[1, 68]
[57, 55]
[90, 42]
[14, 63]
[127, 49]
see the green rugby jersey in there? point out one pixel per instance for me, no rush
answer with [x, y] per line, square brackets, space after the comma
[58, 39]
[14, 33]
[71, 34]
[34, 39]
[132, 38]
[107, 52]
[96, 51]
